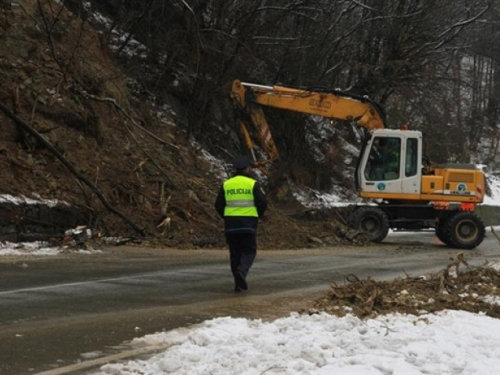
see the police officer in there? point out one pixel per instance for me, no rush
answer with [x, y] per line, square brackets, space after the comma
[241, 202]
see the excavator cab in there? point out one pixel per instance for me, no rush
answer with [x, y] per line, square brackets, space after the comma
[384, 159]
[391, 164]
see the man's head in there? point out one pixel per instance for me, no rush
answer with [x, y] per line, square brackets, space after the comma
[241, 163]
[382, 142]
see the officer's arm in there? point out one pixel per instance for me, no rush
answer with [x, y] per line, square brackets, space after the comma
[220, 202]
[259, 199]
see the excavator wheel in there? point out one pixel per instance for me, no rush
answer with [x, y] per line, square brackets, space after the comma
[441, 233]
[464, 230]
[372, 221]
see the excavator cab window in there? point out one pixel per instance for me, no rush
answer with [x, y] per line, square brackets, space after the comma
[384, 159]
[411, 157]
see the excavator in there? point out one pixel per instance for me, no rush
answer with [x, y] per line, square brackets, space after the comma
[404, 191]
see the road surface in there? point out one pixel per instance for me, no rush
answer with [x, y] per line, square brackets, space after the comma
[57, 311]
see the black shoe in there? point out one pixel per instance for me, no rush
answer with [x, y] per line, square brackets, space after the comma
[237, 289]
[241, 282]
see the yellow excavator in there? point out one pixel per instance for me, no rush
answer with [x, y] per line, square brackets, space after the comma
[408, 193]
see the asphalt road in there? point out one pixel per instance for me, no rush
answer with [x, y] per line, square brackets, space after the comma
[58, 311]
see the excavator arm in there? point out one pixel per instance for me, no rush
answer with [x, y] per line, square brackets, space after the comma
[248, 99]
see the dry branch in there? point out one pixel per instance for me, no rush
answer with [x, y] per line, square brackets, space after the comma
[117, 106]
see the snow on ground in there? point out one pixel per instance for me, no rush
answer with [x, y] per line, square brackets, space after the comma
[39, 248]
[28, 248]
[218, 167]
[315, 199]
[21, 199]
[494, 186]
[450, 342]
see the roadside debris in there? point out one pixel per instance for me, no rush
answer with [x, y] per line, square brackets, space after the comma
[82, 235]
[456, 287]
[76, 237]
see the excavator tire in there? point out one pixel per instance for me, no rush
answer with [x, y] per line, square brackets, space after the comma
[441, 232]
[372, 221]
[464, 230]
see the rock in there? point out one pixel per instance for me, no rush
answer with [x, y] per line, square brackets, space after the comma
[314, 240]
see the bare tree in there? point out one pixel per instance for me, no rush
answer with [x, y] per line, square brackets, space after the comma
[406, 54]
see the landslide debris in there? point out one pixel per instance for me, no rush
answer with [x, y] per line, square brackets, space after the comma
[62, 81]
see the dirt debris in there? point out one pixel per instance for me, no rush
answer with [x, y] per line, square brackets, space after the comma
[143, 162]
[456, 287]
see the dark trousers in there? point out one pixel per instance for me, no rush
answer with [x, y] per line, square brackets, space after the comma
[242, 251]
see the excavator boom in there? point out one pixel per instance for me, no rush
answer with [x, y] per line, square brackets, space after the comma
[329, 104]
[248, 99]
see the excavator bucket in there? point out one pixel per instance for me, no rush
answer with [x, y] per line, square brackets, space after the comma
[250, 114]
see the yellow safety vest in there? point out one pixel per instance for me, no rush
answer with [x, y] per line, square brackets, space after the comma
[239, 197]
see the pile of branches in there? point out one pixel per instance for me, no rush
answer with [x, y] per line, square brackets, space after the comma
[457, 287]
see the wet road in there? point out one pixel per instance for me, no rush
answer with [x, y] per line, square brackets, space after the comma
[60, 310]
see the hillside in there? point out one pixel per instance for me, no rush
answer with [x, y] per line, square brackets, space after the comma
[59, 79]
